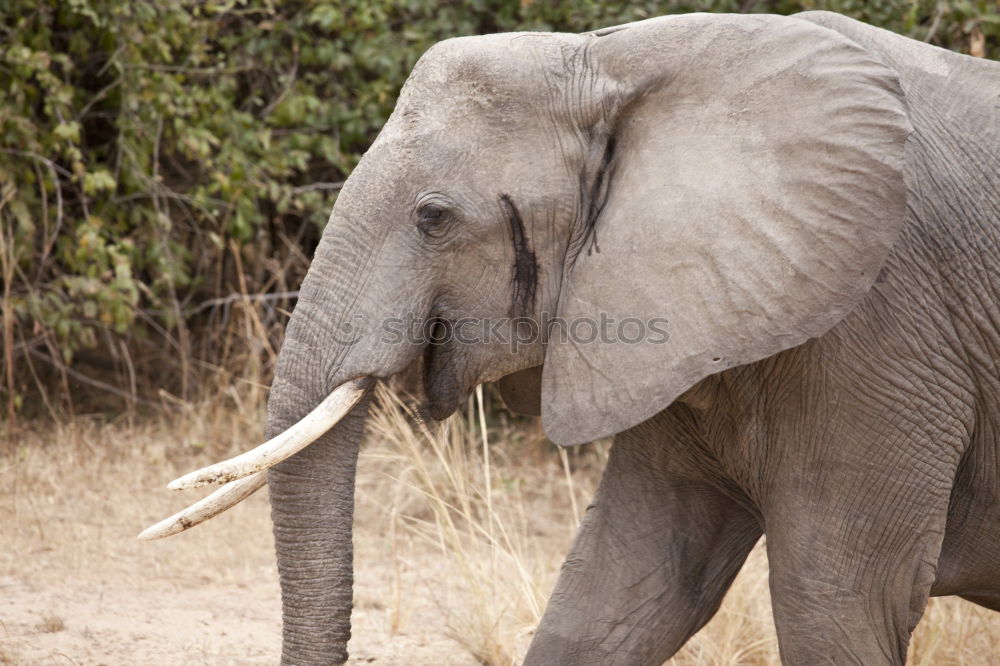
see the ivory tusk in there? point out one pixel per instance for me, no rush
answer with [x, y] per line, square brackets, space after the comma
[333, 408]
[225, 497]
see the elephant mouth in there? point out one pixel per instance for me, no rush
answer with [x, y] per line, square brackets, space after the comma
[443, 388]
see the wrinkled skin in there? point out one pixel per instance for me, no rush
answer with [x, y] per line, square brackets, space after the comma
[811, 203]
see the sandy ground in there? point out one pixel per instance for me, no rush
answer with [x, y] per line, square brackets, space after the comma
[63, 602]
[116, 612]
[78, 589]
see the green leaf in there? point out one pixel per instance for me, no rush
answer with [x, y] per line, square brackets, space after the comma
[98, 181]
[67, 131]
[25, 225]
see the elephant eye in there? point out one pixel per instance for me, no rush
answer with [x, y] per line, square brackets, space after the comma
[429, 219]
[430, 214]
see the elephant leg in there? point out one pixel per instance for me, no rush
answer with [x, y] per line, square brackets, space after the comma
[853, 545]
[654, 557]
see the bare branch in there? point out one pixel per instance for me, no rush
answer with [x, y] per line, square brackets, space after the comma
[288, 86]
[89, 381]
[54, 170]
[317, 186]
[237, 297]
[935, 22]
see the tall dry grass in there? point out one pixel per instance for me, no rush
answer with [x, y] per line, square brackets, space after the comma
[461, 529]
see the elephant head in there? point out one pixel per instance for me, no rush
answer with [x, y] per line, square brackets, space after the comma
[737, 179]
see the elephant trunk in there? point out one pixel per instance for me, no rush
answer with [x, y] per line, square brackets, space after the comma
[312, 492]
[335, 345]
[331, 341]
[312, 507]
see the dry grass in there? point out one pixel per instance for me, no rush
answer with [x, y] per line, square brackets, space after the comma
[457, 547]
[50, 624]
[501, 516]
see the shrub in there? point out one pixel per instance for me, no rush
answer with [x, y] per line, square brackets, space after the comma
[166, 168]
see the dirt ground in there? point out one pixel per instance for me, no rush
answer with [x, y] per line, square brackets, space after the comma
[59, 610]
[77, 588]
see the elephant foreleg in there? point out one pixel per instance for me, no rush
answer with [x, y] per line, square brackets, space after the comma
[649, 567]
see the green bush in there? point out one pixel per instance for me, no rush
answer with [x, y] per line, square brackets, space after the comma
[157, 159]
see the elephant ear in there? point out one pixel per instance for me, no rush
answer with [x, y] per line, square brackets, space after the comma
[754, 187]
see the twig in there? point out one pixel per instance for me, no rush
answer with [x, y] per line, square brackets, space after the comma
[182, 330]
[935, 22]
[141, 314]
[489, 484]
[110, 62]
[569, 487]
[96, 383]
[45, 221]
[187, 70]
[237, 297]
[317, 186]
[7, 259]
[253, 320]
[54, 170]
[53, 413]
[156, 149]
[288, 87]
[294, 248]
[131, 368]
[40, 158]
[101, 94]
[167, 193]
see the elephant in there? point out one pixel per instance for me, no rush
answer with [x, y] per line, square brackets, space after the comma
[803, 215]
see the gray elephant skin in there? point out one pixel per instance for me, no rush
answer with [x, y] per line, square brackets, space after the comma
[813, 207]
